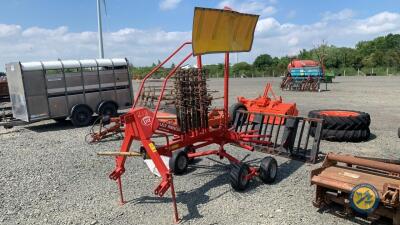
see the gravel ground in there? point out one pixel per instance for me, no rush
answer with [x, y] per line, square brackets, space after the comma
[49, 175]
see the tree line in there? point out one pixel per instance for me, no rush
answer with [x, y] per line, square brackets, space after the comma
[379, 56]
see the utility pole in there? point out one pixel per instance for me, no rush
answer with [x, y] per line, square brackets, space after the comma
[100, 30]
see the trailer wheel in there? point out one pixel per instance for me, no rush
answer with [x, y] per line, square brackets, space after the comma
[190, 149]
[179, 162]
[268, 170]
[81, 116]
[8, 126]
[237, 176]
[233, 109]
[60, 119]
[108, 109]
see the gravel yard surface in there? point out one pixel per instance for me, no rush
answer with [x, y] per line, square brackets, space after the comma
[49, 175]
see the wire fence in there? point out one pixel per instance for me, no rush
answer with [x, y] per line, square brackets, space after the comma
[377, 71]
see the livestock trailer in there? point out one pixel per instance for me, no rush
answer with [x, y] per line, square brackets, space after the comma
[74, 89]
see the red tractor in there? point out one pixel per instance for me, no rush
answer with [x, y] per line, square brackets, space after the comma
[265, 104]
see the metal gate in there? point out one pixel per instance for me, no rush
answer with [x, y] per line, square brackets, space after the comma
[288, 136]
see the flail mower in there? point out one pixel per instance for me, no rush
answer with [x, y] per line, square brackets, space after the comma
[366, 187]
[214, 31]
[268, 103]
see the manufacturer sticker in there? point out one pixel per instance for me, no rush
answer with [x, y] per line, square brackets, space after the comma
[173, 147]
[153, 147]
[364, 198]
[146, 121]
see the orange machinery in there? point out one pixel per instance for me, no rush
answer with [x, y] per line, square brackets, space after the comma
[265, 104]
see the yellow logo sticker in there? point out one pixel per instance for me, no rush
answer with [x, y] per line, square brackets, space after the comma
[364, 198]
[173, 147]
[152, 147]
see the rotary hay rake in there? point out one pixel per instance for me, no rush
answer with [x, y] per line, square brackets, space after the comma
[192, 130]
[106, 126]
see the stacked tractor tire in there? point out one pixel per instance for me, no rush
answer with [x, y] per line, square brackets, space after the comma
[342, 125]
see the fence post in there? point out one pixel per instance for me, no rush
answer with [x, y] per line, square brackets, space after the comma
[358, 72]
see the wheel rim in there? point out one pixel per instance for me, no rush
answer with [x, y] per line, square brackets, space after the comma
[182, 161]
[82, 116]
[338, 113]
[108, 110]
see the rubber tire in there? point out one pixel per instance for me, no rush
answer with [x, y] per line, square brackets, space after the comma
[189, 149]
[60, 120]
[108, 109]
[359, 122]
[343, 135]
[233, 109]
[174, 162]
[238, 170]
[81, 116]
[105, 120]
[398, 132]
[142, 151]
[266, 167]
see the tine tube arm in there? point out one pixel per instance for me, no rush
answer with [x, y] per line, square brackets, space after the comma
[163, 87]
[155, 69]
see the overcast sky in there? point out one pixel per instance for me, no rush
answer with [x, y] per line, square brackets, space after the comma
[145, 31]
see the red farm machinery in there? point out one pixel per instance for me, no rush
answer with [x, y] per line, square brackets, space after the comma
[365, 187]
[267, 103]
[193, 132]
[304, 75]
[194, 128]
[4, 88]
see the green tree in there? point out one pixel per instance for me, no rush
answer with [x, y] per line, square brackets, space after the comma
[262, 62]
[242, 68]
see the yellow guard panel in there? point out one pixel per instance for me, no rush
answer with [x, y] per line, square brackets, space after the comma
[216, 30]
